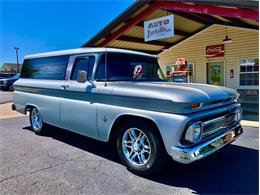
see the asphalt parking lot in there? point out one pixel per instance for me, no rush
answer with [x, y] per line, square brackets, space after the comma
[67, 163]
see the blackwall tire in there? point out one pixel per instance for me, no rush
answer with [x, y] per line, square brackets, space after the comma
[11, 88]
[150, 155]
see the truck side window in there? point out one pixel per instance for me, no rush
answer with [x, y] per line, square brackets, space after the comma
[84, 63]
[49, 68]
[100, 75]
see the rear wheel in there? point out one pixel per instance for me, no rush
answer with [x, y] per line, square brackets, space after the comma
[37, 124]
[140, 148]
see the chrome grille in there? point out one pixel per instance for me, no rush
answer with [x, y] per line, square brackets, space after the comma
[221, 101]
[217, 124]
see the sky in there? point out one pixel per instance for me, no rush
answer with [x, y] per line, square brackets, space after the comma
[39, 26]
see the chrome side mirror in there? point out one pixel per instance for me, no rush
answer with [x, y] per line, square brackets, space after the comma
[82, 76]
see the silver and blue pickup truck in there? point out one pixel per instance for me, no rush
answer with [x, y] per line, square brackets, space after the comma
[122, 96]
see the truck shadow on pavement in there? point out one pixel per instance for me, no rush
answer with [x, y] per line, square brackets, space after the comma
[232, 170]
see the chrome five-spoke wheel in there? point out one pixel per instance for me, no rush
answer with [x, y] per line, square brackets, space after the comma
[140, 147]
[36, 121]
[136, 146]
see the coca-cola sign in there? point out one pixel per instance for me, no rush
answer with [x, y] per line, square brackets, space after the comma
[215, 51]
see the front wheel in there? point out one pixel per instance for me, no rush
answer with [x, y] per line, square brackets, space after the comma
[37, 124]
[140, 148]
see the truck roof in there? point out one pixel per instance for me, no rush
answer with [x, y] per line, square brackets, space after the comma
[84, 50]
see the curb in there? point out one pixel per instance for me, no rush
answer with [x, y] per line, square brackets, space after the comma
[8, 101]
[7, 112]
[250, 123]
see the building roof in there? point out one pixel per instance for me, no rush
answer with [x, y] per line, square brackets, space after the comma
[81, 51]
[9, 67]
[250, 4]
[190, 16]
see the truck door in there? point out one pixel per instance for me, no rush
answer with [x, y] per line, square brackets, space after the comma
[78, 105]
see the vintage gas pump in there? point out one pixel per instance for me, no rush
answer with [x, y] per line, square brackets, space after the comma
[181, 75]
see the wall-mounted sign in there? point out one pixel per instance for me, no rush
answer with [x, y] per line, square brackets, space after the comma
[159, 28]
[215, 51]
[181, 64]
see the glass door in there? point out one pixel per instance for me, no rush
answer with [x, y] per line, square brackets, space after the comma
[215, 73]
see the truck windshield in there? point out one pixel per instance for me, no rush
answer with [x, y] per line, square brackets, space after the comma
[129, 67]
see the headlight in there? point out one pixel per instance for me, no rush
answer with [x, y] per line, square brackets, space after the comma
[236, 99]
[194, 132]
[4, 82]
[238, 117]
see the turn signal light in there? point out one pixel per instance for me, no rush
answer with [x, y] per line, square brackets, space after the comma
[195, 105]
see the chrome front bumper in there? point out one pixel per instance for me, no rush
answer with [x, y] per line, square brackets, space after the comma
[191, 154]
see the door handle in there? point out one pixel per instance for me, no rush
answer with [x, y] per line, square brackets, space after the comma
[63, 87]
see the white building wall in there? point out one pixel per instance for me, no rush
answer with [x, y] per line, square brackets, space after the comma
[245, 44]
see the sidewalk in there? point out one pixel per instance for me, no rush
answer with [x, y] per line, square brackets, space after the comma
[250, 119]
[7, 112]
[250, 123]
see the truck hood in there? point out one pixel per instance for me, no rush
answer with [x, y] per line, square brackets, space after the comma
[176, 97]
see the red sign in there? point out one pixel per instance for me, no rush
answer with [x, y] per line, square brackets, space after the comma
[215, 51]
[181, 64]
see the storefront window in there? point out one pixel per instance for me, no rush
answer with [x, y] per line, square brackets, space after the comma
[249, 71]
[180, 74]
